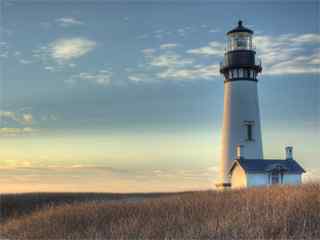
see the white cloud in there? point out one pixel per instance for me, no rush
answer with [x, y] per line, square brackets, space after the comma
[296, 65]
[4, 49]
[307, 38]
[148, 51]
[137, 77]
[27, 118]
[102, 77]
[168, 45]
[50, 68]
[169, 65]
[68, 21]
[134, 78]
[8, 114]
[24, 118]
[61, 51]
[49, 117]
[169, 59]
[284, 54]
[213, 30]
[213, 49]
[11, 132]
[289, 53]
[196, 72]
[24, 61]
[70, 48]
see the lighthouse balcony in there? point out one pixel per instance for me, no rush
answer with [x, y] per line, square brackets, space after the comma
[230, 65]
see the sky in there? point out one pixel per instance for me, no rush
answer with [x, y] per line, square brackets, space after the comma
[127, 96]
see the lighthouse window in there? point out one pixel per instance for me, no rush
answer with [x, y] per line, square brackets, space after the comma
[249, 131]
[241, 42]
[251, 74]
[247, 73]
[235, 73]
[240, 73]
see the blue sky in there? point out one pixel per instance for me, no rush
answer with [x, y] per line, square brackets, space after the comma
[104, 96]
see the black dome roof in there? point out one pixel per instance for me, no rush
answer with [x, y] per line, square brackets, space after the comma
[240, 28]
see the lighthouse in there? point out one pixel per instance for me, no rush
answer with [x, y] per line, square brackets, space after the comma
[241, 115]
[242, 163]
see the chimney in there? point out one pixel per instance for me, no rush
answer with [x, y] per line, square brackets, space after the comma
[289, 155]
[239, 152]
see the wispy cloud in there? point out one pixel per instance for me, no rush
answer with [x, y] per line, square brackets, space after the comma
[213, 30]
[4, 49]
[64, 50]
[22, 118]
[289, 53]
[68, 21]
[138, 77]
[31, 176]
[148, 51]
[168, 45]
[192, 73]
[12, 132]
[169, 59]
[24, 61]
[67, 49]
[167, 64]
[50, 68]
[102, 77]
[306, 38]
[213, 49]
[284, 54]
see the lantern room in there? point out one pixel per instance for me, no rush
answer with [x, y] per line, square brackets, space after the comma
[240, 38]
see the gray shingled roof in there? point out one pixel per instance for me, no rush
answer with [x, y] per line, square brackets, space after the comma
[264, 165]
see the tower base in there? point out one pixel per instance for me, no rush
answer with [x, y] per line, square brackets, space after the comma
[223, 185]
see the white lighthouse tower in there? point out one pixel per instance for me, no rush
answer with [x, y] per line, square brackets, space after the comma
[241, 117]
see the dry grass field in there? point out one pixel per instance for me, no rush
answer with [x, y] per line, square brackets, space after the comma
[281, 212]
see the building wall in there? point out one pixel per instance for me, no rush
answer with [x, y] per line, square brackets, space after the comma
[261, 179]
[292, 179]
[240, 105]
[239, 178]
[257, 179]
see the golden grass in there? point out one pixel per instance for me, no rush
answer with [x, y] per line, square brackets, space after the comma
[282, 212]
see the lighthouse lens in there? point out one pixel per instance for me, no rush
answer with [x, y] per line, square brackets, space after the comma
[240, 41]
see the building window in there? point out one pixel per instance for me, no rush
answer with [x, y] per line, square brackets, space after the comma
[275, 178]
[249, 130]
[230, 74]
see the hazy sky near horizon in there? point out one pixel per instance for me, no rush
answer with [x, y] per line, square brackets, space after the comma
[127, 96]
